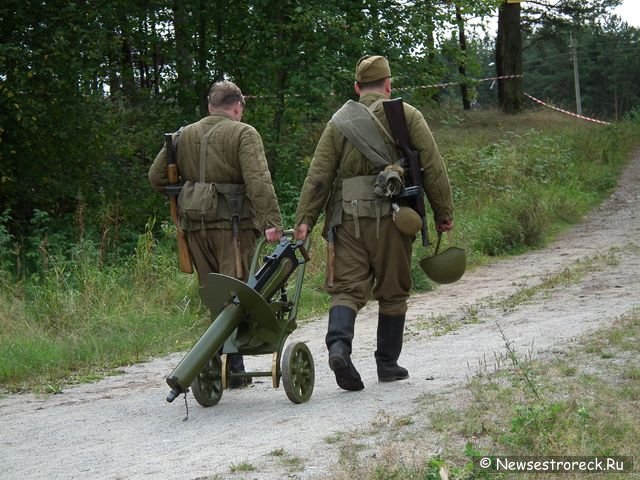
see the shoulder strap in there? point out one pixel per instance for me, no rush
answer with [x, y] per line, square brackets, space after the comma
[355, 122]
[377, 120]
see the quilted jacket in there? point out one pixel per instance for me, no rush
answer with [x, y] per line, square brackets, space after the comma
[235, 155]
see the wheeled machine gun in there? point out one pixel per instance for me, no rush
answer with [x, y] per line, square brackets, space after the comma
[262, 316]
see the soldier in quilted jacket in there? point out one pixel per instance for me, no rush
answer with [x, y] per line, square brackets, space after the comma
[236, 168]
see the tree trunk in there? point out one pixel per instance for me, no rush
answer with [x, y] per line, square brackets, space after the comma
[126, 59]
[432, 49]
[280, 16]
[202, 54]
[184, 60]
[462, 61]
[509, 58]
[615, 102]
[156, 57]
[219, 66]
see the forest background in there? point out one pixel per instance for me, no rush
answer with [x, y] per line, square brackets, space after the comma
[88, 88]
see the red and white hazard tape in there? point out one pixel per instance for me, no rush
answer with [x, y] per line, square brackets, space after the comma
[503, 77]
[435, 85]
[470, 80]
[477, 80]
[564, 111]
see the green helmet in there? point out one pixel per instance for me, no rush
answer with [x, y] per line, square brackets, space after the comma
[406, 219]
[445, 267]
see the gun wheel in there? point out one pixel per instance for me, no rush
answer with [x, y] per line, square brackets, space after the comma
[207, 386]
[298, 372]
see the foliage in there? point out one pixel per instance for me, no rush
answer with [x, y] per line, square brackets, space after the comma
[563, 13]
[86, 90]
[6, 240]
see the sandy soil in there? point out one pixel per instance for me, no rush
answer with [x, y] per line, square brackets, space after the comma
[122, 427]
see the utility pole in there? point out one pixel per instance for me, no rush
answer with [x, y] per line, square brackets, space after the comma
[576, 75]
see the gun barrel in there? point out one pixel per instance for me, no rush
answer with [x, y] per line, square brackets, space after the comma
[204, 349]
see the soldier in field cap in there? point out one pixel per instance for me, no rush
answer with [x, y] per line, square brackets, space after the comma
[372, 68]
[372, 253]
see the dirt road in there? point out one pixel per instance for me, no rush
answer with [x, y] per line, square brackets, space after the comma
[122, 428]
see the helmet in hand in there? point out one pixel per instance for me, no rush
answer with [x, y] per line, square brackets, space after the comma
[445, 267]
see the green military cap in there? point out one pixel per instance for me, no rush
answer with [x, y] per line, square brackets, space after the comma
[371, 68]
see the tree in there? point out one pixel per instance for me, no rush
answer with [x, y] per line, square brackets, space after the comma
[536, 14]
[609, 76]
[509, 58]
[462, 65]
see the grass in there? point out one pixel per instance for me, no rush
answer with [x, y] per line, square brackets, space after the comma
[517, 181]
[241, 467]
[80, 321]
[585, 405]
[292, 463]
[568, 276]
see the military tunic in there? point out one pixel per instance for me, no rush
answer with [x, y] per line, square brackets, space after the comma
[373, 258]
[235, 155]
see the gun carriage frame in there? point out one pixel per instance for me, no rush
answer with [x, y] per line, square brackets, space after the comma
[252, 318]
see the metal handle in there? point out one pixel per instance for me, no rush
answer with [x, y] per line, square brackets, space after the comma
[438, 243]
[302, 246]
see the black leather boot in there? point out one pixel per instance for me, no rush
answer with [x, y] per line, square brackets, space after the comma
[236, 365]
[339, 338]
[390, 332]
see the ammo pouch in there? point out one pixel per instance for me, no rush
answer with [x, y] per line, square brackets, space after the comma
[231, 201]
[197, 202]
[360, 201]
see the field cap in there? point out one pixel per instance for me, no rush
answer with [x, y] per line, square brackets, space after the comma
[371, 68]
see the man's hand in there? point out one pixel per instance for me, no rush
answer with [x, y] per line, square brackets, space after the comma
[273, 234]
[301, 232]
[444, 226]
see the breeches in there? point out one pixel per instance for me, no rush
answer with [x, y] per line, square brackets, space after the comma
[212, 251]
[377, 264]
